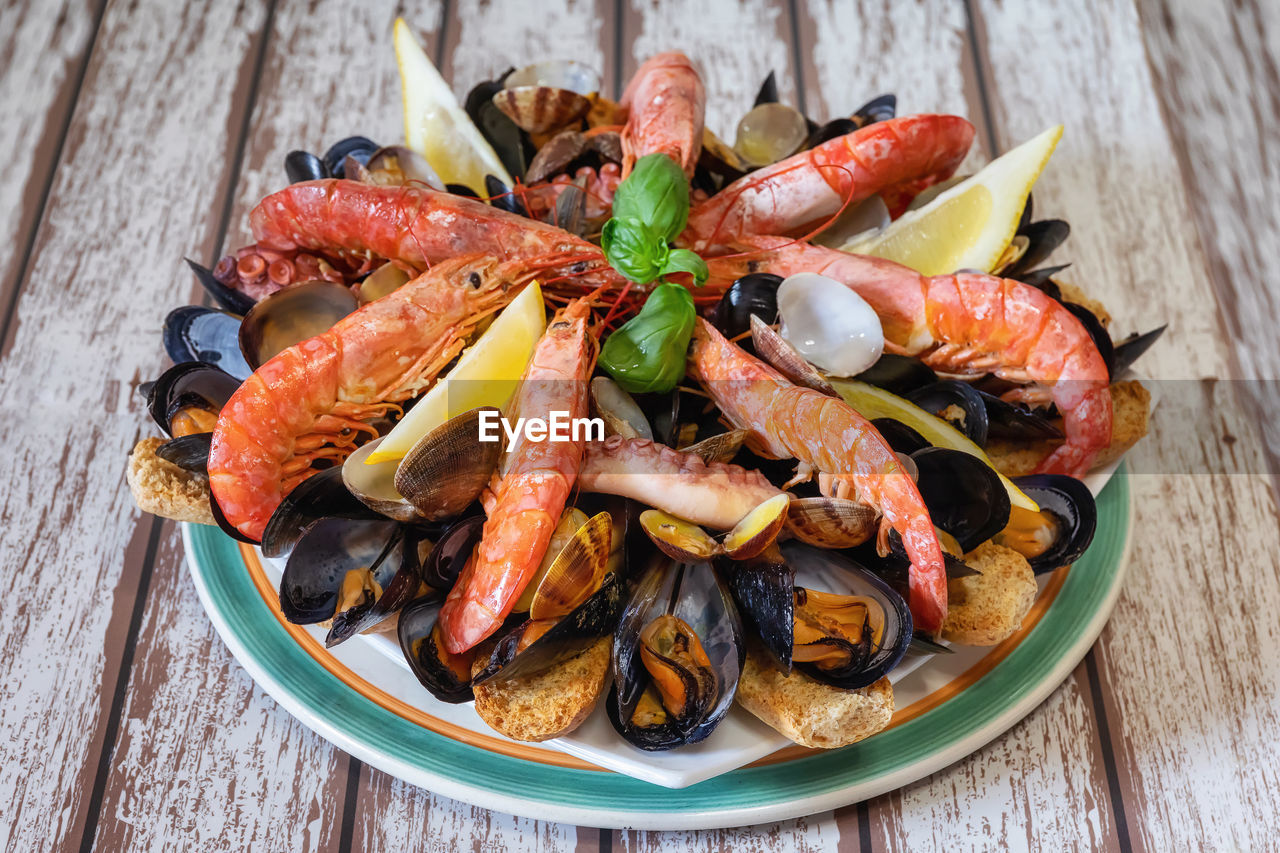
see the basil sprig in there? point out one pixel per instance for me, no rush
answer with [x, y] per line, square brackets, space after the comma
[647, 353]
[650, 209]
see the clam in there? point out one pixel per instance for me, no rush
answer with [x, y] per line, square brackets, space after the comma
[619, 410]
[770, 132]
[547, 96]
[386, 279]
[677, 538]
[829, 324]
[824, 614]
[292, 315]
[779, 352]
[356, 573]
[687, 542]
[197, 333]
[556, 155]
[577, 602]
[397, 165]
[446, 675]
[720, 447]
[440, 476]
[677, 655]
[1061, 531]
[571, 521]
[827, 522]
[757, 529]
[187, 397]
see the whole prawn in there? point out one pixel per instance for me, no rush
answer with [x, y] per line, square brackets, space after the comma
[311, 400]
[969, 324]
[526, 501]
[907, 152]
[824, 433]
[666, 102]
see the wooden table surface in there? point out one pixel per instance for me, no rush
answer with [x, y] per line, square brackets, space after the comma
[143, 131]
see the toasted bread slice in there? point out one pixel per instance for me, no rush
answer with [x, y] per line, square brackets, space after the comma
[809, 712]
[548, 704]
[984, 609]
[164, 489]
[1130, 420]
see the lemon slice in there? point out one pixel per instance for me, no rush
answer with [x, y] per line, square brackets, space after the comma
[486, 375]
[872, 402]
[435, 126]
[970, 225]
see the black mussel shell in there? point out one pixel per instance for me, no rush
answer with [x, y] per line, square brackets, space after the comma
[816, 568]
[1017, 421]
[958, 404]
[512, 145]
[1042, 279]
[501, 196]
[191, 384]
[901, 437]
[462, 190]
[594, 618]
[695, 594]
[1043, 237]
[1097, 331]
[922, 645]
[837, 127]
[224, 525]
[893, 567]
[1072, 505]
[313, 575]
[189, 452]
[423, 656]
[768, 93]
[757, 294]
[964, 495]
[196, 333]
[452, 550]
[357, 147]
[897, 373]
[880, 108]
[232, 300]
[322, 495]
[762, 588]
[304, 166]
[1131, 349]
[401, 589]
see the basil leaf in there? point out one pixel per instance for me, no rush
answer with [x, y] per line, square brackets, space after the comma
[647, 353]
[657, 193]
[632, 249]
[683, 260]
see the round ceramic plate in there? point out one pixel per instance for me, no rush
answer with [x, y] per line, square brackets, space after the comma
[958, 712]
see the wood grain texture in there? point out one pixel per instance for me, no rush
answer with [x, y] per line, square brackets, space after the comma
[43, 51]
[1216, 69]
[103, 273]
[1192, 731]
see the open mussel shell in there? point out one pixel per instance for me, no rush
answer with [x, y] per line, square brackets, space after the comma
[827, 522]
[447, 469]
[752, 295]
[762, 588]
[778, 351]
[620, 412]
[401, 589]
[292, 315]
[189, 452]
[187, 397]
[964, 495]
[509, 142]
[958, 404]
[897, 373]
[1098, 332]
[1017, 421]
[577, 603]
[232, 300]
[447, 676]
[359, 148]
[1131, 348]
[449, 557]
[320, 496]
[902, 438]
[1060, 533]
[501, 197]
[1042, 238]
[197, 333]
[302, 166]
[672, 603]
[768, 91]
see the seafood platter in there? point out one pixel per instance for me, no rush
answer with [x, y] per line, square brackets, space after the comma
[665, 450]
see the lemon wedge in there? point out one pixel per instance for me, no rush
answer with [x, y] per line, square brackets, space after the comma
[486, 375]
[435, 126]
[872, 402]
[970, 225]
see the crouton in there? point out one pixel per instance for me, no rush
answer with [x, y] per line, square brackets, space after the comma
[547, 704]
[164, 489]
[984, 609]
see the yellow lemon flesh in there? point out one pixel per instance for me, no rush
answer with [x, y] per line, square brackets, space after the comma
[435, 126]
[486, 375]
[970, 225]
[872, 402]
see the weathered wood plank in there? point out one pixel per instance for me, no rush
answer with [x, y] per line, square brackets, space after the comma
[1215, 69]
[1205, 545]
[104, 272]
[853, 52]
[43, 52]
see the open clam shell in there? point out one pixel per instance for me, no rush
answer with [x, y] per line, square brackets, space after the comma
[757, 529]
[678, 596]
[541, 109]
[619, 410]
[678, 539]
[292, 315]
[779, 352]
[827, 522]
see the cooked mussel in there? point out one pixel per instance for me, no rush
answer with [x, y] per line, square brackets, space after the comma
[447, 676]
[821, 612]
[229, 298]
[187, 397]
[964, 495]
[897, 373]
[755, 294]
[576, 602]
[358, 148]
[677, 654]
[292, 315]
[1061, 531]
[197, 333]
[447, 559]
[957, 403]
[320, 496]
